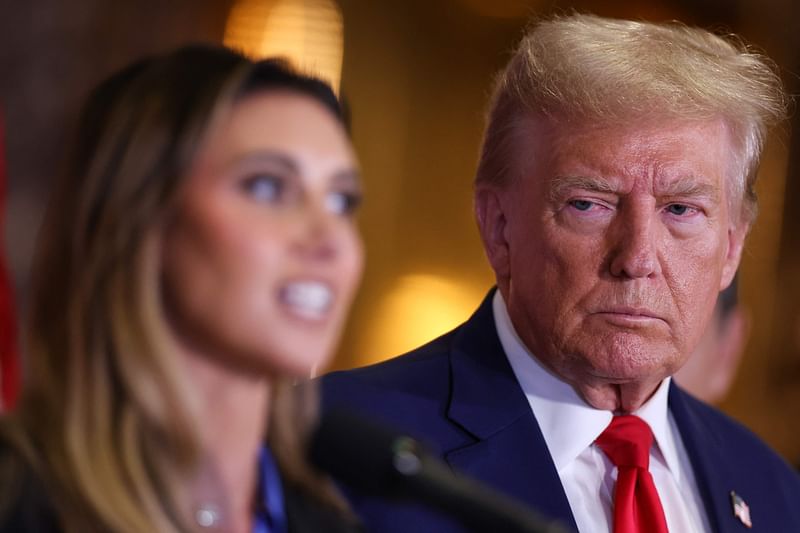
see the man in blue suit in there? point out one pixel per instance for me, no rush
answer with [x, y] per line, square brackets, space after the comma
[613, 196]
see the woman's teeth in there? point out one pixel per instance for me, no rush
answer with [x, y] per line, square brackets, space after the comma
[308, 299]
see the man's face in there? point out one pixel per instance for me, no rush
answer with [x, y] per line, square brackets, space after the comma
[610, 246]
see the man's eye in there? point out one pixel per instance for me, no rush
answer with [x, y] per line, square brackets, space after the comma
[264, 188]
[678, 209]
[343, 203]
[581, 205]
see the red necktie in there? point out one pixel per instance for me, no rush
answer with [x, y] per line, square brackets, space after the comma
[637, 509]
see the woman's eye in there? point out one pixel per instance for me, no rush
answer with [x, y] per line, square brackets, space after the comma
[343, 203]
[581, 205]
[264, 188]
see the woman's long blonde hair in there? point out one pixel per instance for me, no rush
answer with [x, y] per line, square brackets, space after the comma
[106, 419]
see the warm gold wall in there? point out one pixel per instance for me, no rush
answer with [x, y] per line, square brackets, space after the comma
[417, 75]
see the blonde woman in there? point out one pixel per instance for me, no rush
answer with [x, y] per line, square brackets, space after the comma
[198, 256]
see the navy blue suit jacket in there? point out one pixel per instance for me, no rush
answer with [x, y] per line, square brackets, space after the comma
[459, 395]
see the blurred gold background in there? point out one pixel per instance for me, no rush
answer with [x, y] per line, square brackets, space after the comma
[416, 75]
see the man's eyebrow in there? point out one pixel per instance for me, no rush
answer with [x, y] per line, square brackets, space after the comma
[560, 184]
[683, 187]
[690, 187]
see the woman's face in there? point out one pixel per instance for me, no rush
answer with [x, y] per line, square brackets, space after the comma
[262, 256]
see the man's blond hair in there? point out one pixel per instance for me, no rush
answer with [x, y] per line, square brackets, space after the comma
[605, 70]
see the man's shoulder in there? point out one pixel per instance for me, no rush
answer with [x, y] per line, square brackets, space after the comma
[731, 434]
[411, 393]
[424, 368]
[403, 371]
[395, 390]
[731, 449]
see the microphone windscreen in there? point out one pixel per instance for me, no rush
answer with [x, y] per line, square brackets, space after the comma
[359, 452]
[379, 461]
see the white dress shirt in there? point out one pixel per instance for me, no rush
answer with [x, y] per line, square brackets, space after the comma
[570, 427]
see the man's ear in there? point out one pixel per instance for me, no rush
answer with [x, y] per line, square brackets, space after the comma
[491, 216]
[736, 238]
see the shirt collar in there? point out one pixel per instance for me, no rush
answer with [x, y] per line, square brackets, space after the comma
[553, 402]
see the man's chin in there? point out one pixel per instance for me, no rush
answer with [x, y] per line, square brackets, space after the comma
[624, 397]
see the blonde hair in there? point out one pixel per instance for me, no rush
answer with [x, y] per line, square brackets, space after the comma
[106, 418]
[606, 70]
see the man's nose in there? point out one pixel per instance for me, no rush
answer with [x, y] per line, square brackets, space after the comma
[634, 252]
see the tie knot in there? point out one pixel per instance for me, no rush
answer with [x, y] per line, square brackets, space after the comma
[626, 441]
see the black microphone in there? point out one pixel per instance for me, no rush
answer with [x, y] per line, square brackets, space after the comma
[372, 458]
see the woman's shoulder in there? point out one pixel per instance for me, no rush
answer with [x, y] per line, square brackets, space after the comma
[24, 504]
[306, 514]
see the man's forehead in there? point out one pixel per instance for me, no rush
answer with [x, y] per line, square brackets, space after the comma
[675, 151]
[635, 132]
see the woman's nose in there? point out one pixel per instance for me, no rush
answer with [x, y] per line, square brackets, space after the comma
[317, 238]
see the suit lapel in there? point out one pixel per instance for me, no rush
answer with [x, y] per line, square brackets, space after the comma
[486, 400]
[706, 451]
